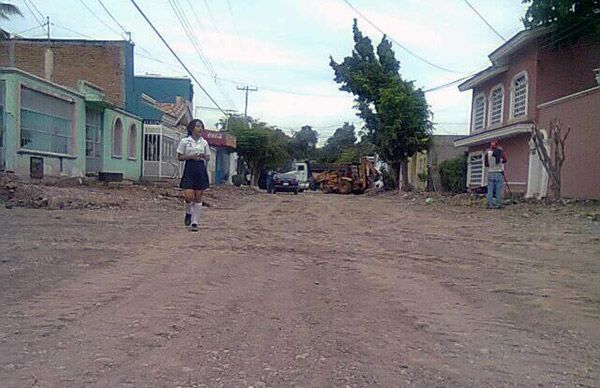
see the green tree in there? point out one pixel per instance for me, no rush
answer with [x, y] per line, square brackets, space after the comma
[570, 19]
[6, 11]
[304, 143]
[259, 144]
[396, 114]
[343, 138]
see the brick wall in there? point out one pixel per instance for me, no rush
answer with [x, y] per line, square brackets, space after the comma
[4, 53]
[100, 62]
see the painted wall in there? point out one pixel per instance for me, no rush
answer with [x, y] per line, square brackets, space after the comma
[517, 167]
[525, 60]
[567, 70]
[581, 172]
[130, 167]
[233, 162]
[18, 160]
[162, 89]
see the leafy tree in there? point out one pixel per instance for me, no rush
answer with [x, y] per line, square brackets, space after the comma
[343, 138]
[396, 114]
[259, 144]
[570, 19]
[304, 143]
[6, 11]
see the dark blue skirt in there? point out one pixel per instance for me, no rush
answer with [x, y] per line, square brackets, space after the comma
[195, 176]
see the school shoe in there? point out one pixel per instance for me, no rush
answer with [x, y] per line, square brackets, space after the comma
[194, 228]
[188, 219]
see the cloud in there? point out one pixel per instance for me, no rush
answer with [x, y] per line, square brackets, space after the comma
[249, 51]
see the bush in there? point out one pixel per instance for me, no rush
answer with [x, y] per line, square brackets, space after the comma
[388, 180]
[453, 174]
[238, 180]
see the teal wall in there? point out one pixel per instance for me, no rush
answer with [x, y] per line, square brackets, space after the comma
[73, 163]
[18, 160]
[130, 167]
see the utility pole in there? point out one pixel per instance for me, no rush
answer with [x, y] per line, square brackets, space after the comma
[247, 89]
[48, 26]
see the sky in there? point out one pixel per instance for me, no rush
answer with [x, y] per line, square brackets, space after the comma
[282, 48]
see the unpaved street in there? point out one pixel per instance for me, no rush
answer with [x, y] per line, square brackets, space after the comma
[299, 291]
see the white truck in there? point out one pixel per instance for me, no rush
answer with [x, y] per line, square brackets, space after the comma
[303, 174]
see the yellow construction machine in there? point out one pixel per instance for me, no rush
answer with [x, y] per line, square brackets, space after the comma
[349, 178]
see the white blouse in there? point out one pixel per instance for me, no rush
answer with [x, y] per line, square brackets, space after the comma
[189, 146]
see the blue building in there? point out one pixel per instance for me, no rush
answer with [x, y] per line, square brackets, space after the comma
[165, 104]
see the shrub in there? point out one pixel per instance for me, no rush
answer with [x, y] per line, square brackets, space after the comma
[238, 180]
[453, 174]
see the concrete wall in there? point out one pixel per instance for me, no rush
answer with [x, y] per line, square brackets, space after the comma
[442, 148]
[17, 159]
[580, 173]
[130, 167]
[103, 63]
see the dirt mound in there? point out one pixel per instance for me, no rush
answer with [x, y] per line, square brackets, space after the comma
[91, 194]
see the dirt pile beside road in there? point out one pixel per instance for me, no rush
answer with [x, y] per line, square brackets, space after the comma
[513, 207]
[90, 194]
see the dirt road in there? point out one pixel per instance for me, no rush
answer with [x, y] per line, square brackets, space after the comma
[299, 291]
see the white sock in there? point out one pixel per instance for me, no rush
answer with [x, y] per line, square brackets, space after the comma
[196, 210]
[188, 207]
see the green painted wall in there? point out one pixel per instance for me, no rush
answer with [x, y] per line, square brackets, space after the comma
[18, 160]
[130, 167]
[73, 163]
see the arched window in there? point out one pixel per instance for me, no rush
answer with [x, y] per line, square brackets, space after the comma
[478, 119]
[496, 105]
[117, 138]
[518, 95]
[132, 146]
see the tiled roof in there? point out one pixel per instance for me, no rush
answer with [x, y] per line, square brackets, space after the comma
[173, 109]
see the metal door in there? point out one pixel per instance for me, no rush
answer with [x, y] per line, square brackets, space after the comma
[93, 141]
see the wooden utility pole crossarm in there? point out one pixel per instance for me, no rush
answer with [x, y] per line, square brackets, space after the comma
[247, 89]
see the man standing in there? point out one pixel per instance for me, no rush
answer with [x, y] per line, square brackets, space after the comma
[494, 160]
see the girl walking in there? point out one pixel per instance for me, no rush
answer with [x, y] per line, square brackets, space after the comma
[195, 151]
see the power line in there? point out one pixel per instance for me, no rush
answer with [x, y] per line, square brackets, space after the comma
[237, 82]
[73, 31]
[247, 89]
[576, 28]
[29, 30]
[234, 25]
[37, 9]
[35, 16]
[212, 19]
[113, 18]
[448, 84]
[484, 20]
[177, 57]
[398, 43]
[99, 18]
[215, 27]
[188, 30]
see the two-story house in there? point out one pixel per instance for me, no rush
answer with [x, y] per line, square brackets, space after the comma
[532, 81]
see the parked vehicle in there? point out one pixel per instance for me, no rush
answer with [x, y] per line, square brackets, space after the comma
[286, 182]
[304, 175]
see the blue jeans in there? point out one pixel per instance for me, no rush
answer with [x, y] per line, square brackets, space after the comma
[495, 188]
